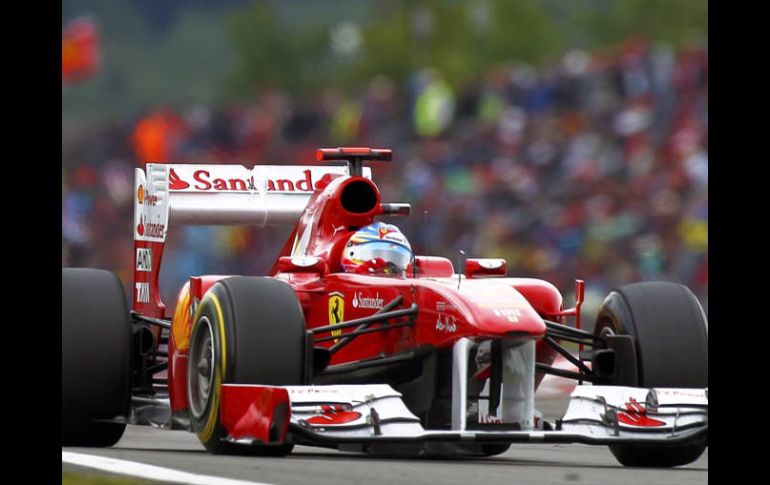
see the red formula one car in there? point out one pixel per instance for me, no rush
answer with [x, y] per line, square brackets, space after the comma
[352, 342]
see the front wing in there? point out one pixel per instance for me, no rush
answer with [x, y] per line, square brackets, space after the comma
[358, 416]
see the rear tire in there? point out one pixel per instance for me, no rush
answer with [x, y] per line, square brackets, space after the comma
[96, 357]
[670, 330]
[246, 330]
[494, 450]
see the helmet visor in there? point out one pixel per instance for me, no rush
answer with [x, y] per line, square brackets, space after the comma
[396, 256]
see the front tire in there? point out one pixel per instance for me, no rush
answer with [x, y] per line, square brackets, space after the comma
[246, 330]
[96, 357]
[670, 331]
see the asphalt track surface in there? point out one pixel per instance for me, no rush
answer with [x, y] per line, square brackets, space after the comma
[522, 464]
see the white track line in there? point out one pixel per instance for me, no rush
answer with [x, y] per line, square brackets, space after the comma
[144, 470]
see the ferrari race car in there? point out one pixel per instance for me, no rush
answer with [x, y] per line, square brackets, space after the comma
[431, 359]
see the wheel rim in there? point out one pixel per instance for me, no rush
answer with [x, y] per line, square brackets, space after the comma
[202, 364]
[607, 331]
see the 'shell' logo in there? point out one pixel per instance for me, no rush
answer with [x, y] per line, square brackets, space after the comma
[337, 414]
[336, 311]
[174, 182]
[145, 198]
[636, 415]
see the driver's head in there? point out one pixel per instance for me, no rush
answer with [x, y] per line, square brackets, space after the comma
[377, 249]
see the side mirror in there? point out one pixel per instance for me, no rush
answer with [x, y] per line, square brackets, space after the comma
[475, 267]
[302, 264]
[433, 266]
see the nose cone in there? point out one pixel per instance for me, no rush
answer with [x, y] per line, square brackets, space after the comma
[498, 309]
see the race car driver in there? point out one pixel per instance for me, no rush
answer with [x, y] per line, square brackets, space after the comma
[379, 249]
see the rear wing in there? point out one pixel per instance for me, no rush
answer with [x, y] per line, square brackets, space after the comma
[212, 195]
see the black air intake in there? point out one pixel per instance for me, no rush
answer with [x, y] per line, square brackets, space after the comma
[359, 196]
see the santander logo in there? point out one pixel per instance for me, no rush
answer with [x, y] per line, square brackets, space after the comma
[204, 180]
[150, 229]
[174, 182]
[361, 301]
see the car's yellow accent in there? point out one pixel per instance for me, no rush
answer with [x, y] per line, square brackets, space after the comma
[222, 334]
[181, 324]
[211, 422]
[213, 417]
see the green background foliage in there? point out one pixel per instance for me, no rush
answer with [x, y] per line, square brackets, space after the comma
[218, 52]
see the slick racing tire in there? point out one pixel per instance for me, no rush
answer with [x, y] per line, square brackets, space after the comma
[246, 330]
[670, 331]
[494, 449]
[96, 358]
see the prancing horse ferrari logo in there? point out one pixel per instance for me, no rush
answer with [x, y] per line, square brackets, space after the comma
[336, 312]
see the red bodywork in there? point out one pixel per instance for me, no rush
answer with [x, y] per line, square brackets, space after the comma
[482, 305]
[255, 412]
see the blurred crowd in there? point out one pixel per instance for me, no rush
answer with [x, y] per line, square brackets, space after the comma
[594, 167]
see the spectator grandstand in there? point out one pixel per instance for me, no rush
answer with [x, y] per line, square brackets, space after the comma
[595, 167]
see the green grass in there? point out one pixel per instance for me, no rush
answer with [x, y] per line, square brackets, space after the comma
[69, 477]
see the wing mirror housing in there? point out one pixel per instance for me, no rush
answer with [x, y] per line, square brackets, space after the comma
[479, 267]
[302, 264]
